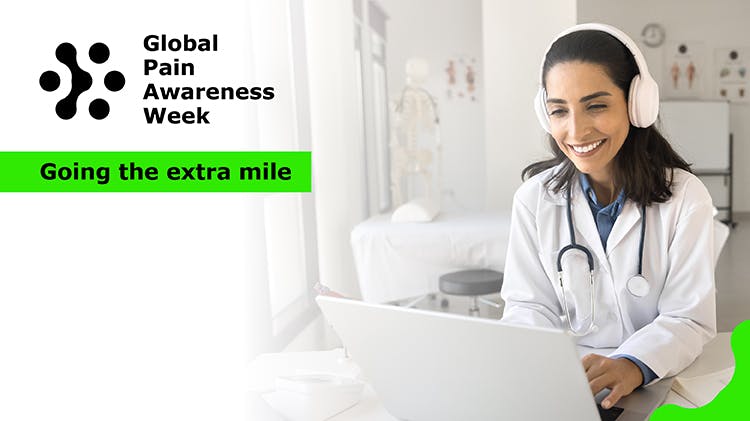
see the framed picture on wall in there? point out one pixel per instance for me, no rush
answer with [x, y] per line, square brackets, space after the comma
[731, 65]
[684, 69]
[461, 78]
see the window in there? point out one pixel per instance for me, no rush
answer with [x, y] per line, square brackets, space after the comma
[372, 88]
[283, 265]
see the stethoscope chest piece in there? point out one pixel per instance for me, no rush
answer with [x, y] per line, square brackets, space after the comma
[638, 286]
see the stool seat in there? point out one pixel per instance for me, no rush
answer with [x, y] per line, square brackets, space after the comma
[471, 282]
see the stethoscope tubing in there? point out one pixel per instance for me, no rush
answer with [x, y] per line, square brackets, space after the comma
[590, 260]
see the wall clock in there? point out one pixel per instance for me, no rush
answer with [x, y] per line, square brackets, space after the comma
[653, 35]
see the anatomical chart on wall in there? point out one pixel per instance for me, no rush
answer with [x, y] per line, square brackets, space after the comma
[684, 68]
[731, 71]
[461, 78]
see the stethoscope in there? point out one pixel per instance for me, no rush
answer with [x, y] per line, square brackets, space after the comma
[637, 285]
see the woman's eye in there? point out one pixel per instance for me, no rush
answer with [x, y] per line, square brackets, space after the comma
[558, 112]
[597, 106]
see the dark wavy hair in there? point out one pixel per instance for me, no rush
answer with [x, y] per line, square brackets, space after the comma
[645, 163]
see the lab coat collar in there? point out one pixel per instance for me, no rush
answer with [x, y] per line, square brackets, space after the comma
[629, 218]
[584, 224]
[556, 198]
[549, 195]
[583, 221]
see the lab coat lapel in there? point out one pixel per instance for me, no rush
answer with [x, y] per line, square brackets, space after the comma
[583, 221]
[629, 218]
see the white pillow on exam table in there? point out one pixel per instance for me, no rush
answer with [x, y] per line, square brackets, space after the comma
[420, 209]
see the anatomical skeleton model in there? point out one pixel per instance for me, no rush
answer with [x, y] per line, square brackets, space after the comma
[415, 138]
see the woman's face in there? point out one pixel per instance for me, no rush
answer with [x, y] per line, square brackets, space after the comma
[588, 116]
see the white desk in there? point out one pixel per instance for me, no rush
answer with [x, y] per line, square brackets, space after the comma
[717, 356]
[400, 260]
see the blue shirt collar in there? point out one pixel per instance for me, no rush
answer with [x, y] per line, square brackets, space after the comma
[615, 206]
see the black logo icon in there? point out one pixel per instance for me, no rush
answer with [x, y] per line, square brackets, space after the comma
[81, 81]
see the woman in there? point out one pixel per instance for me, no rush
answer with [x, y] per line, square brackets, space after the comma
[616, 190]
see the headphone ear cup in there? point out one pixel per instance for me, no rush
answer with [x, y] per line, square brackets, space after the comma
[633, 102]
[540, 106]
[643, 101]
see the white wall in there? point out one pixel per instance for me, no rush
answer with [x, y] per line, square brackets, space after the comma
[515, 36]
[338, 169]
[719, 23]
[439, 30]
[134, 306]
[122, 306]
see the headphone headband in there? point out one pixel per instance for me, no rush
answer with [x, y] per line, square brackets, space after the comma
[643, 98]
[640, 60]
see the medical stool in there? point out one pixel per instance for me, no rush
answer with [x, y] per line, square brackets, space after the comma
[472, 283]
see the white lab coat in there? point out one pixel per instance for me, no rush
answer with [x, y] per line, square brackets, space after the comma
[667, 328]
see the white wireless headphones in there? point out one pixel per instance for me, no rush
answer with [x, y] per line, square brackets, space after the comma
[643, 98]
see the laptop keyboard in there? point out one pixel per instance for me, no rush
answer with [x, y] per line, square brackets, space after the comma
[610, 414]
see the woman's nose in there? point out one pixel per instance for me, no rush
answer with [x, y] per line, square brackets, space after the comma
[578, 126]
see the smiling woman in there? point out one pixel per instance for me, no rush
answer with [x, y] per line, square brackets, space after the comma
[588, 119]
[612, 238]
[604, 73]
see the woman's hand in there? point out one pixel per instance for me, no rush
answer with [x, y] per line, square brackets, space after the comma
[620, 375]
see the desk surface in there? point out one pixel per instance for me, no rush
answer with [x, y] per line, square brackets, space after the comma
[717, 356]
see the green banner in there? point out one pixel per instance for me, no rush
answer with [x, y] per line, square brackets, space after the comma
[155, 172]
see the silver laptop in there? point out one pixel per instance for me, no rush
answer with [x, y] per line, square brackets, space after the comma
[429, 366]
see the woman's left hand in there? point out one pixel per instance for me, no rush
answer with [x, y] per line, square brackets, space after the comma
[620, 375]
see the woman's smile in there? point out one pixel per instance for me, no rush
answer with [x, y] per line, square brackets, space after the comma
[584, 150]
